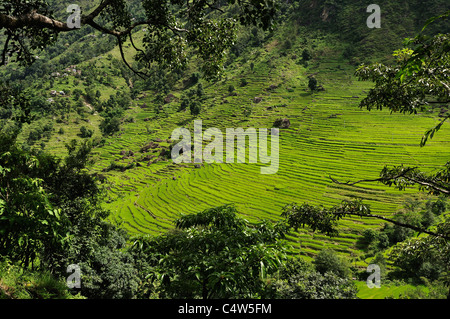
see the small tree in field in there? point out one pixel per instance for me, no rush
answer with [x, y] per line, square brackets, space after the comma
[312, 83]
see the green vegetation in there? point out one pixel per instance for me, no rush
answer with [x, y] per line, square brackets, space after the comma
[85, 138]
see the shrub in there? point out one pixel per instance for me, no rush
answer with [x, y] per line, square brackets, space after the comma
[85, 132]
[369, 236]
[194, 108]
[298, 280]
[315, 285]
[312, 83]
[328, 261]
[110, 124]
[306, 55]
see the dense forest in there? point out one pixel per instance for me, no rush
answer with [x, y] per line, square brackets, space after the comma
[92, 206]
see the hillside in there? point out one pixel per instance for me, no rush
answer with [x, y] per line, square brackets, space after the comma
[328, 136]
[265, 79]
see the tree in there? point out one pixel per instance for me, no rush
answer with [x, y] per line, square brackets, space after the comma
[110, 124]
[194, 107]
[418, 80]
[29, 222]
[51, 217]
[86, 132]
[172, 26]
[327, 260]
[16, 104]
[213, 254]
[312, 83]
[325, 220]
[306, 55]
[299, 280]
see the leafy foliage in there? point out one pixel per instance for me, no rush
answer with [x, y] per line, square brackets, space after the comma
[419, 78]
[328, 261]
[299, 280]
[172, 26]
[213, 254]
[25, 41]
[320, 218]
[29, 223]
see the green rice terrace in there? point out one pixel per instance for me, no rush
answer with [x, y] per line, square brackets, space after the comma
[328, 136]
[300, 78]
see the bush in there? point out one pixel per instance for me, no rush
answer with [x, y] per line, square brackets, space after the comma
[194, 108]
[369, 236]
[312, 83]
[315, 285]
[85, 132]
[287, 45]
[110, 125]
[298, 280]
[328, 261]
[194, 78]
[306, 55]
[199, 91]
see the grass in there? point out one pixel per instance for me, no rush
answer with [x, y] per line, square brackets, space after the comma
[19, 283]
[389, 290]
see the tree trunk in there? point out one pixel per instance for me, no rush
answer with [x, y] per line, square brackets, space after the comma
[205, 289]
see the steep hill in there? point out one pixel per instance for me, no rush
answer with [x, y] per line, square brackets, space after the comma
[265, 79]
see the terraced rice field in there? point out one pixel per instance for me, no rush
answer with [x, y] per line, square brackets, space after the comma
[385, 291]
[328, 135]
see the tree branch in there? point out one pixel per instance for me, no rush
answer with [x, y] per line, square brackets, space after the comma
[40, 21]
[96, 11]
[138, 73]
[381, 179]
[32, 19]
[418, 229]
[214, 8]
[430, 184]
